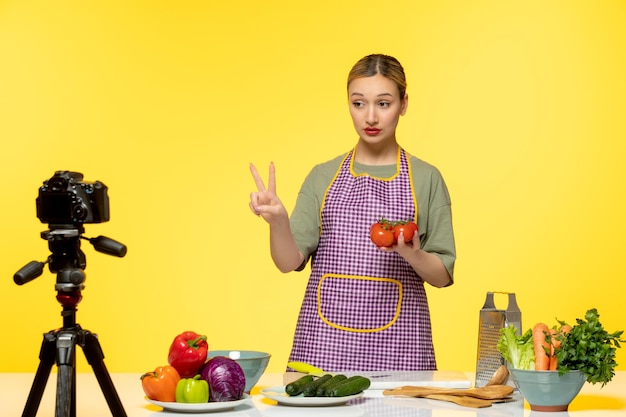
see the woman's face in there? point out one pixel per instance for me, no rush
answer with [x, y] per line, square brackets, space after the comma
[375, 107]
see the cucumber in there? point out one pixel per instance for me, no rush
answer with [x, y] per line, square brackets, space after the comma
[350, 386]
[322, 389]
[296, 387]
[310, 390]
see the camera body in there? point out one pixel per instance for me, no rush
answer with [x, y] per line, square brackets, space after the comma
[65, 199]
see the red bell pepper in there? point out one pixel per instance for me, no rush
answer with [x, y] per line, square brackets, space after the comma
[188, 353]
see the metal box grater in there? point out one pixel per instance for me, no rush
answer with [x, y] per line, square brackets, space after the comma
[491, 320]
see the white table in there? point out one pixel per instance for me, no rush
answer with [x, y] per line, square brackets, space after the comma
[593, 401]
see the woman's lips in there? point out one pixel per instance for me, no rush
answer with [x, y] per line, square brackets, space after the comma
[372, 131]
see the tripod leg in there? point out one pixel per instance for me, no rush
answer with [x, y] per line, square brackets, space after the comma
[66, 377]
[93, 353]
[46, 360]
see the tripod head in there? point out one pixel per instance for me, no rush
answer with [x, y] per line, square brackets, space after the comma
[67, 260]
[65, 201]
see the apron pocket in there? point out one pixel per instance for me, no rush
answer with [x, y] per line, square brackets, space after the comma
[357, 303]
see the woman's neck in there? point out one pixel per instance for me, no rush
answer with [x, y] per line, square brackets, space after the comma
[368, 154]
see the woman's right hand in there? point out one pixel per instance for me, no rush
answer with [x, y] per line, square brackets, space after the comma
[264, 202]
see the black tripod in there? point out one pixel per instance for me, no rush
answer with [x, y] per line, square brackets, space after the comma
[59, 346]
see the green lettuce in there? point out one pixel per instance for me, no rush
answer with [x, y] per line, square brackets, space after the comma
[518, 351]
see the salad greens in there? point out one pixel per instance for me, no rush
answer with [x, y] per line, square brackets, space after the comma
[589, 348]
[586, 347]
[517, 350]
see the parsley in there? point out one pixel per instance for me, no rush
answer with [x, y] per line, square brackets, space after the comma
[589, 348]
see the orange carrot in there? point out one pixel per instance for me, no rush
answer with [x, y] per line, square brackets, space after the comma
[542, 346]
[556, 343]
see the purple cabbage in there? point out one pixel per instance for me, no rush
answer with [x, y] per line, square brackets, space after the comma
[225, 377]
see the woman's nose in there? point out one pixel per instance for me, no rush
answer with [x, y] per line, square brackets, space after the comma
[371, 117]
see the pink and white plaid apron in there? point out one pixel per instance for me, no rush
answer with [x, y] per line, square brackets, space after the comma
[364, 309]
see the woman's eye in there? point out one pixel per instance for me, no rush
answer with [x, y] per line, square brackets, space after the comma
[357, 104]
[384, 104]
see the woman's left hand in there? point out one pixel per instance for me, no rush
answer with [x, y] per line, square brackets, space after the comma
[427, 265]
[403, 248]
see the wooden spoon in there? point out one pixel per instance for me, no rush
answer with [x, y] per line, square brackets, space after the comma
[499, 377]
[460, 400]
[491, 392]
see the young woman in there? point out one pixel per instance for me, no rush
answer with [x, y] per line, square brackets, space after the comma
[365, 307]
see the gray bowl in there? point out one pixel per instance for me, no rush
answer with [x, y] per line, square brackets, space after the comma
[252, 362]
[546, 390]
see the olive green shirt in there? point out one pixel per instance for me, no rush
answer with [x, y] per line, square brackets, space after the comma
[434, 213]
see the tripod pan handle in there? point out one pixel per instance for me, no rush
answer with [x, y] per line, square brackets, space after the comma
[29, 272]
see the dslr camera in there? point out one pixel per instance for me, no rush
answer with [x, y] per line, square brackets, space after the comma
[65, 199]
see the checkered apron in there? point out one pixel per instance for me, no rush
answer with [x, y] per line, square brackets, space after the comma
[364, 309]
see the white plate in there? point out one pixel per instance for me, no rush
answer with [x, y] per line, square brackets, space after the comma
[199, 407]
[278, 394]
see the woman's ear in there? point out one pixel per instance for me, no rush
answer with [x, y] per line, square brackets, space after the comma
[405, 104]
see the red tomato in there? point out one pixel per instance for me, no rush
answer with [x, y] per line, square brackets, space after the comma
[408, 229]
[381, 234]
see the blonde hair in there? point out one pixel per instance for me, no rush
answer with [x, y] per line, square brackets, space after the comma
[385, 65]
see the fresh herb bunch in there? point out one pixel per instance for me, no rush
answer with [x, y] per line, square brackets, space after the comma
[589, 348]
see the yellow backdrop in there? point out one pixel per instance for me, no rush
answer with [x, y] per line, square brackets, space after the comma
[520, 104]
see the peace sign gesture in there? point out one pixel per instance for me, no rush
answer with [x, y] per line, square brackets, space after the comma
[265, 202]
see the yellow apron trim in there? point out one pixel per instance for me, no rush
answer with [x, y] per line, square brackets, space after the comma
[354, 174]
[351, 329]
[408, 162]
[332, 181]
